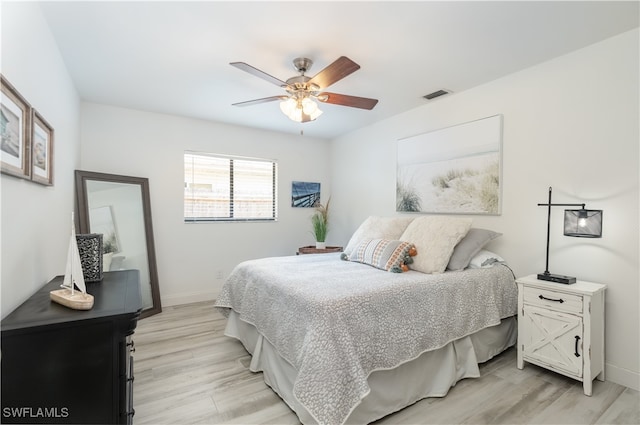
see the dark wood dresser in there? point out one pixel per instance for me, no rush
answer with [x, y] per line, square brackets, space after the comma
[67, 366]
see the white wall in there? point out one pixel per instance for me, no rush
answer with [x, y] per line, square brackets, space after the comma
[193, 259]
[570, 123]
[36, 219]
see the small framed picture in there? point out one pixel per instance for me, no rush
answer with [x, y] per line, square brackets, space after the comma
[41, 150]
[15, 132]
[305, 194]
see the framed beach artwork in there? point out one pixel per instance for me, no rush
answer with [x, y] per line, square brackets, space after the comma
[454, 170]
[41, 151]
[15, 132]
[305, 194]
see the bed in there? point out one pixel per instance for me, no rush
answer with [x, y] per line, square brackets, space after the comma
[342, 341]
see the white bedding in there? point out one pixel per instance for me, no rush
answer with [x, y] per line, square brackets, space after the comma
[336, 321]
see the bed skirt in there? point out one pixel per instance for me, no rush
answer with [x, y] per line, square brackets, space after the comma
[429, 375]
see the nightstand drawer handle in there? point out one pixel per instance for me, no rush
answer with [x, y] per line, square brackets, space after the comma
[559, 300]
[576, 349]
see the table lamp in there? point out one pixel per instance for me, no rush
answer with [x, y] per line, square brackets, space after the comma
[581, 223]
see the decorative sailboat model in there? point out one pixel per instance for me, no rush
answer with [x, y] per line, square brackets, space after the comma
[73, 277]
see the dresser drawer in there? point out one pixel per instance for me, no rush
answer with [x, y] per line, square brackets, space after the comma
[559, 301]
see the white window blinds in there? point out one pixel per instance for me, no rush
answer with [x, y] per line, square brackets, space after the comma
[224, 188]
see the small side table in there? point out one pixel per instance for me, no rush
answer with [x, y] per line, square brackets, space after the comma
[561, 328]
[313, 250]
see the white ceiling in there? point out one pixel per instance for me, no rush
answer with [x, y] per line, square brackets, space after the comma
[173, 57]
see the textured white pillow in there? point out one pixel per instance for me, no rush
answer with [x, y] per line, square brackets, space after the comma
[434, 238]
[378, 228]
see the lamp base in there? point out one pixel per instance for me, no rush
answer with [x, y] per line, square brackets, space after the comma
[558, 278]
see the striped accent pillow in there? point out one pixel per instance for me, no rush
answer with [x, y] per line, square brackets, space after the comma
[380, 253]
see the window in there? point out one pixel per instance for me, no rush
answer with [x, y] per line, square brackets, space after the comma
[224, 188]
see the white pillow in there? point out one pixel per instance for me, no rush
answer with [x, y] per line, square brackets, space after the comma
[469, 246]
[378, 228]
[485, 259]
[435, 237]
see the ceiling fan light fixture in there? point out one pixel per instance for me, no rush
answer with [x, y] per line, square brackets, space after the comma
[315, 114]
[295, 109]
[309, 106]
[287, 106]
[303, 93]
[296, 114]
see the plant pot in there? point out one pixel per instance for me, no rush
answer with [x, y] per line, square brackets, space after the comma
[106, 261]
[321, 245]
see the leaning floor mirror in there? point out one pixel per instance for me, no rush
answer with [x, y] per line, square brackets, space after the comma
[120, 209]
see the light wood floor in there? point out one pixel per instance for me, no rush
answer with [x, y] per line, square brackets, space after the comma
[188, 372]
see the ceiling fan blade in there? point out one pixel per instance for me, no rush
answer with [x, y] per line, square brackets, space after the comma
[334, 72]
[260, 74]
[258, 101]
[346, 100]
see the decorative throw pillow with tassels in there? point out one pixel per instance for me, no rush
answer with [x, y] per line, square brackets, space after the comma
[383, 254]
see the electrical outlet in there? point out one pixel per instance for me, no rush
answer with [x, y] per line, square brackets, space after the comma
[219, 274]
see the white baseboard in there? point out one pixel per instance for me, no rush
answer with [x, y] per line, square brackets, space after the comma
[170, 300]
[620, 376]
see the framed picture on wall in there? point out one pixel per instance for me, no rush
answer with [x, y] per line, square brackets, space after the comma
[15, 132]
[454, 170]
[305, 194]
[41, 150]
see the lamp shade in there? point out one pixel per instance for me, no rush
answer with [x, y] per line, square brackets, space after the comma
[583, 223]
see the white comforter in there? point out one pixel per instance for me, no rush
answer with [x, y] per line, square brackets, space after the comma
[337, 321]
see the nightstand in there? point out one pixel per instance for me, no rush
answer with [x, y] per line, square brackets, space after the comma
[561, 328]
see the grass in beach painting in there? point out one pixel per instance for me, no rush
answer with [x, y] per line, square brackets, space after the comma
[455, 170]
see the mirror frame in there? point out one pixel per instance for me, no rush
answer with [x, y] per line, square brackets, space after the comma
[82, 207]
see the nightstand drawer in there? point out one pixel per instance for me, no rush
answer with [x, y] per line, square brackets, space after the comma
[558, 301]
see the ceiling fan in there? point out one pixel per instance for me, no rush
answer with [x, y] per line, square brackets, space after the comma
[302, 91]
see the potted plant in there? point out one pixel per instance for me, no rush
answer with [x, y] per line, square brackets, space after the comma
[109, 247]
[320, 223]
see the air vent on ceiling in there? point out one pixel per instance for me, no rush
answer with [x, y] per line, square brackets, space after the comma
[435, 94]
